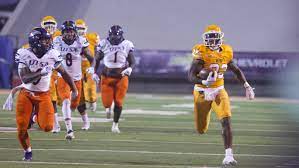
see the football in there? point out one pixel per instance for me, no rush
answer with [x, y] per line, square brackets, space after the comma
[204, 73]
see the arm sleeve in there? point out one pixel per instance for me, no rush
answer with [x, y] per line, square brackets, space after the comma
[130, 46]
[20, 58]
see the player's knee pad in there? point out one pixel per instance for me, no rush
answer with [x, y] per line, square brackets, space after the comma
[81, 108]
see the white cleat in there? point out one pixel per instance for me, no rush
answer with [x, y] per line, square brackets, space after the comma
[86, 126]
[56, 130]
[115, 128]
[229, 161]
[70, 135]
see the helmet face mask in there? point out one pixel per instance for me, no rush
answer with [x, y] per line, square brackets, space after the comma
[81, 27]
[81, 31]
[69, 32]
[51, 27]
[213, 37]
[49, 23]
[115, 35]
[40, 41]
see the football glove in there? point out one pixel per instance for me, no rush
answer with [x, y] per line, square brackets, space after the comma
[74, 94]
[210, 79]
[90, 70]
[96, 78]
[8, 105]
[249, 91]
[127, 71]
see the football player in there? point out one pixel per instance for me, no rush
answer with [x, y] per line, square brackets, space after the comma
[89, 89]
[210, 93]
[35, 66]
[117, 55]
[72, 47]
[49, 23]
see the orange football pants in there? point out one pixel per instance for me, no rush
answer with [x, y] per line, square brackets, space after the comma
[42, 105]
[113, 89]
[64, 91]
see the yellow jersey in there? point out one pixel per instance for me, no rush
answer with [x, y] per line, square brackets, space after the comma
[93, 39]
[214, 60]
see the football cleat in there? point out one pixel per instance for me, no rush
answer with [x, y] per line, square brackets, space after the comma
[70, 135]
[229, 161]
[115, 128]
[27, 156]
[56, 129]
[86, 126]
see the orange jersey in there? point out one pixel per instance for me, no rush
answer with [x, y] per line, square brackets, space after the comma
[214, 60]
[93, 40]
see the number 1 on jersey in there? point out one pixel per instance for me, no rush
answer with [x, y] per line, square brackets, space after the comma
[115, 57]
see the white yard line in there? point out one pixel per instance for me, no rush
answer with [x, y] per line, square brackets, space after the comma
[161, 142]
[97, 164]
[157, 152]
[190, 128]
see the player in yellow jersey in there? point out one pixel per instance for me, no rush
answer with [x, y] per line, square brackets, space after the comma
[89, 89]
[210, 93]
[49, 23]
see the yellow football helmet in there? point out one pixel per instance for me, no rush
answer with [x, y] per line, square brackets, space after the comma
[49, 23]
[213, 37]
[81, 27]
[93, 38]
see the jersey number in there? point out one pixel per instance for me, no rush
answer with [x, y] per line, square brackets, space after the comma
[217, 68]
[115, 57]
[68, 59]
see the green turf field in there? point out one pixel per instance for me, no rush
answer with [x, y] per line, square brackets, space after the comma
[266, 134]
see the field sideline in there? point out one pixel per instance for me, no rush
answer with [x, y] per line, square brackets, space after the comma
[158, 131]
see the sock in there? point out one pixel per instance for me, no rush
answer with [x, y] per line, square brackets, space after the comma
[228, 152]
[68, 124]
[117, 113]
[66, 111]
[115, 124]
[34, 118]
[108, 110]
[85, 118]
[66, 108]
[56, 122]
[28, 149]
